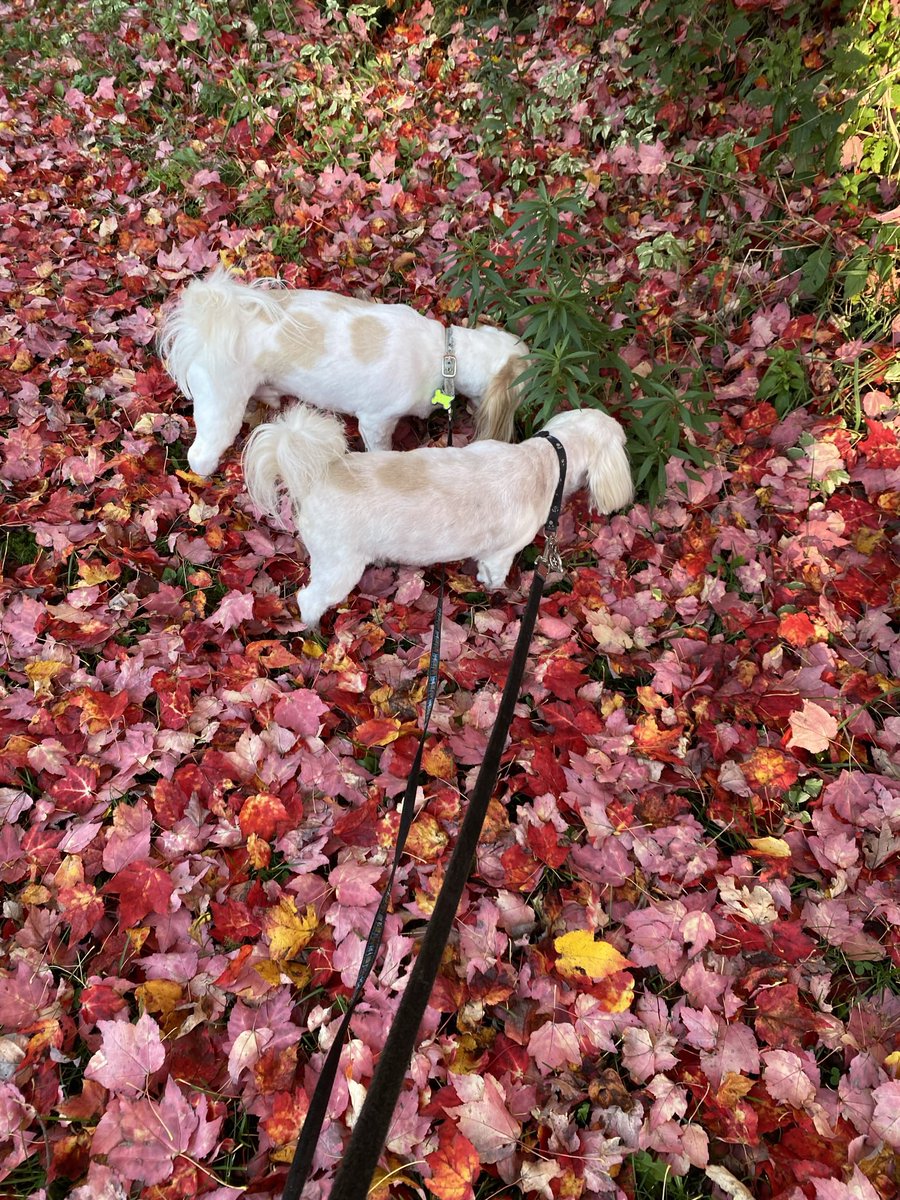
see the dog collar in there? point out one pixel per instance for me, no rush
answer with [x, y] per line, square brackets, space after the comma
[446, 393]
[448, 363]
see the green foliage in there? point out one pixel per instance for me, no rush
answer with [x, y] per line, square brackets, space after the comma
[539, 276]
[814, 81]
[18, 548]
[654, 1180]
[785, 382]
[520, 104]
[672, 411]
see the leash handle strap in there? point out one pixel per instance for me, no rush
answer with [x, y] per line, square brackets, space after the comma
[364, 1148]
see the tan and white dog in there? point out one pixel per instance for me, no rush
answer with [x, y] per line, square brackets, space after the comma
[224, 342]
[484, 501]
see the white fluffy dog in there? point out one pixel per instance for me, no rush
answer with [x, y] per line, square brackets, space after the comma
[225, 341]
[484, 501]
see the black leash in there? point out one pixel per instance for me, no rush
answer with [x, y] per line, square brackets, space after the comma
[318, 1105]
[361, 1157]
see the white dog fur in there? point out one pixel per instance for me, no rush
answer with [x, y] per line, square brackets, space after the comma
[224, 342]
[484, 501]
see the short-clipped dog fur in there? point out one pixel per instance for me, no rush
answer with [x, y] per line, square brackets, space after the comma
[484, 501]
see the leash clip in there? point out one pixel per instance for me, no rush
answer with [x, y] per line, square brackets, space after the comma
[448, 366]
[551, 558]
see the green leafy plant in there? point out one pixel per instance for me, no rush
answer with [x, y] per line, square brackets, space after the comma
[539, 276]
[785, 382]
[671, 411]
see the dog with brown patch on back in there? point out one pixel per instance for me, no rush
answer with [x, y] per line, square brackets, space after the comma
[436, 504]
[225, 342]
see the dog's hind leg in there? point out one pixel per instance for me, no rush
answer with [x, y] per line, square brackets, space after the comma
[330, 581]
[493, 571]
[219, 407]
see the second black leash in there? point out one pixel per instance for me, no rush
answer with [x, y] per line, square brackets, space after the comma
[354, 1175]
[301, 1164]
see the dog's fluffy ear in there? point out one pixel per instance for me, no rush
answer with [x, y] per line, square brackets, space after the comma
[609, 472]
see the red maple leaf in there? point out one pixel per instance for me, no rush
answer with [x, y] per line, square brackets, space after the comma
[264, 815]
[547, 845]
[142, 888]
[76, 792]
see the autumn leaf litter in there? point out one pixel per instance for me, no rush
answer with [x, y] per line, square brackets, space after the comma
[679, 937]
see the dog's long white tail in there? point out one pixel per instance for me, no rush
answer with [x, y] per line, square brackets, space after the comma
[609, 472]
[291, 452]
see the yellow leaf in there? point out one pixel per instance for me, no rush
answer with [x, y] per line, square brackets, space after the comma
[892, 1062]
[41, 674]
[34, 893]
[286, 930]
[579, 954]
[90, 573]
[159, 995]
[439, 762]
[773, 847]
[624, 1000]
[734, 1087]
[268, 971]
[70, 872]
[137, 936]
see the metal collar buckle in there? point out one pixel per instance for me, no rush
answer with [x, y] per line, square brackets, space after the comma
[448, 362]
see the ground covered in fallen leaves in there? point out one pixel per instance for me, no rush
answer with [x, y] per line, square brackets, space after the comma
[675, 969]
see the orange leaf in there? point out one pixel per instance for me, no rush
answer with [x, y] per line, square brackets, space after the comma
[271, 654]
[657, 741]
[439, 763]
[454, 1165]
[264, 815]
[426, 839]
[380, 731]
[769, 768]
[288, 1111]
[798, 629]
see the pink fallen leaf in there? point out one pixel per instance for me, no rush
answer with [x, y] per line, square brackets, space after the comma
[141, 1138]
[786, 1080]
[886, 1117]
[553, 1046]
[812, 728]
[483, 1116]
[127, 1055]
[856, 1188]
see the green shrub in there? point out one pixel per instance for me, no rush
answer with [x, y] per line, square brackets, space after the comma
[540, 276]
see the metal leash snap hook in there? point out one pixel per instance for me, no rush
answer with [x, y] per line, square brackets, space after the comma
[551, 557]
